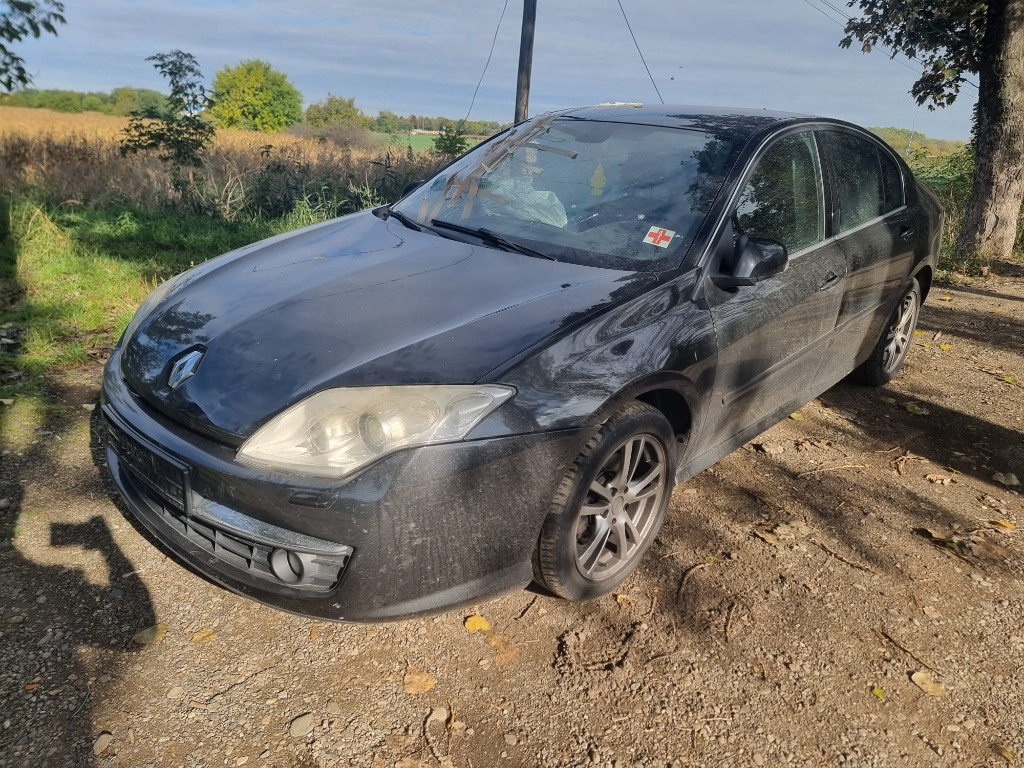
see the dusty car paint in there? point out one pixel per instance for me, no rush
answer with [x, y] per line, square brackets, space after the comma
[364, 301]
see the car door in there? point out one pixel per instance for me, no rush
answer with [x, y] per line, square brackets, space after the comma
[877, 233]
[771, 335]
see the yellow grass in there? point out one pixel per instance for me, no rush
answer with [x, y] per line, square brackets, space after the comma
[26, 121]
[75, 159]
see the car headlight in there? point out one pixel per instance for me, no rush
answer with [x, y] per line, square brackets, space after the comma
[335, 432]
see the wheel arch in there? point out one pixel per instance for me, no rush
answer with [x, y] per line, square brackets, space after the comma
[924, 279]
[676, 397]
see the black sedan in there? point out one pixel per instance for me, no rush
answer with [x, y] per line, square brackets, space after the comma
[501, 378]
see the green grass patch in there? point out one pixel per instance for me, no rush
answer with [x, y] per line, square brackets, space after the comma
[71, 279]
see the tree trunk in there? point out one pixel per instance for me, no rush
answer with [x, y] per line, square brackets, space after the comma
[990, 224]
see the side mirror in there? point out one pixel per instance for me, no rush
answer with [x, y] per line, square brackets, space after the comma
[412, 186]
[757, 259]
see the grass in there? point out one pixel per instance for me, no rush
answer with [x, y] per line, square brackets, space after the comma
[72, 278]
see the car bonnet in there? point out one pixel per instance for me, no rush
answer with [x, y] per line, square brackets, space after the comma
[357, 302]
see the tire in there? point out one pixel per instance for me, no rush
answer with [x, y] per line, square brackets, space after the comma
[891, 350]
[596, 532]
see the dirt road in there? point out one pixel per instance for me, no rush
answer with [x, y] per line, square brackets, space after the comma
[845, 590]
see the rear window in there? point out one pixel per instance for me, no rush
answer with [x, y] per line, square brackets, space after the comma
[868, 181]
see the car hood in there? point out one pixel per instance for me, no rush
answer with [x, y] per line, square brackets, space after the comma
[354, 302]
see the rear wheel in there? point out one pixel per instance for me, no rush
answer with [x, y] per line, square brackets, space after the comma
[609, 506]
[891, 350]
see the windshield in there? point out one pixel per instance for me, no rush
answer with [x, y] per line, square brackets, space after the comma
[604, 194]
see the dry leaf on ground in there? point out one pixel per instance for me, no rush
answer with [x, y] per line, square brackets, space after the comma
[1004, 752]
[504, 651]
[204, 635]
[417, 681]
[1006, 478]
[917, 410]
[924, 681]
[878, 693]
[1002, 525]
[796, 416]
[151, 635]
[477, 623]
[938, 479]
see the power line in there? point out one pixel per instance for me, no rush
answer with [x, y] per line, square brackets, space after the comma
[487, 63]
[630, 28]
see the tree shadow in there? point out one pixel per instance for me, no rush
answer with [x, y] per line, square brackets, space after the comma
[985, 293]
[994, 330]
[67, 618]
[946, 437]
[846, 511]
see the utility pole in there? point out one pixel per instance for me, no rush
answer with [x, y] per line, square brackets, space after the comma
[525, 60]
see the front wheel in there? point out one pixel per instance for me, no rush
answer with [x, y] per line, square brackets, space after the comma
[891, 350]
[609, 506]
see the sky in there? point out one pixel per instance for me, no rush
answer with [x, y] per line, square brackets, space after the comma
[420, 57]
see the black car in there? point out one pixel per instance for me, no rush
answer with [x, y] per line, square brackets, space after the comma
[502, 377]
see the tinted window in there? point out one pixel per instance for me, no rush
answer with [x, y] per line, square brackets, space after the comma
[605, 194]
[892, 183]
[869, 183]
[783, 198]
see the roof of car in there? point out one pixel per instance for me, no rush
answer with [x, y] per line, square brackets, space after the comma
[715, 119]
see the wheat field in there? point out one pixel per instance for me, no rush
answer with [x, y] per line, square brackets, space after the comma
[61, 158]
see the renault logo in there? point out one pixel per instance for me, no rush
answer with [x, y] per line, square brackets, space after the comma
[184, 368]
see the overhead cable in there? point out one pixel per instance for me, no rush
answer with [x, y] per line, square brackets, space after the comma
[630, 28]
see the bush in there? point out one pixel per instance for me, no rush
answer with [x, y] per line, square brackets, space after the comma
[950, 178]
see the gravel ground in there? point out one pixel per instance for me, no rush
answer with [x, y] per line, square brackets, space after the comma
[846, 590]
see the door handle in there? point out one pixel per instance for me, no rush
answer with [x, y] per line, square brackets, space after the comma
[906, 232]
[830, 281]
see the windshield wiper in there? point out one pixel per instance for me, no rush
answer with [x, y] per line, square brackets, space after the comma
[493, 238]
[407, 221]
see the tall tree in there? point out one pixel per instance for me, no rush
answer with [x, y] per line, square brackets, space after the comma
[952, 39]
[254, 96]
[21, 19]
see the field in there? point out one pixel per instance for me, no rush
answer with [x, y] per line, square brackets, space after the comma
[798, 595]
[87, 232]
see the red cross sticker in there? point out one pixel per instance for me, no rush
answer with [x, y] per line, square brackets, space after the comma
[659, 236]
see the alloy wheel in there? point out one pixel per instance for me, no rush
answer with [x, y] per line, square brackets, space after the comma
[621, 507]
[900, 333]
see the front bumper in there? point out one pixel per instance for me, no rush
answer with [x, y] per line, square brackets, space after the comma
[417, 532]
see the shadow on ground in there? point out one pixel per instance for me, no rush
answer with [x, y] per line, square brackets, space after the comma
[65, 629]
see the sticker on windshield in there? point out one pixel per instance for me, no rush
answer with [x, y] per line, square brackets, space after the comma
[659, 236]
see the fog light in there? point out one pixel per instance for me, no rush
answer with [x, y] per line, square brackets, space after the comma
[287, 566]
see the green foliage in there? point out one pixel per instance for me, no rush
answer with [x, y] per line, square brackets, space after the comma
[914, 144]
[255, 97]
[950, 178]
[451, 141]
[944, 36]
[180, 134]
[83, 273]
[388, 122]
[19, 20]
[335, 110]
[120, 101]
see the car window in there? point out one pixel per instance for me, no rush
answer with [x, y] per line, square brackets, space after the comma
[605, 194]
[892, 183]
[868, 181]
[783, 200]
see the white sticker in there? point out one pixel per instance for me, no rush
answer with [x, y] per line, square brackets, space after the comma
[659, 236]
